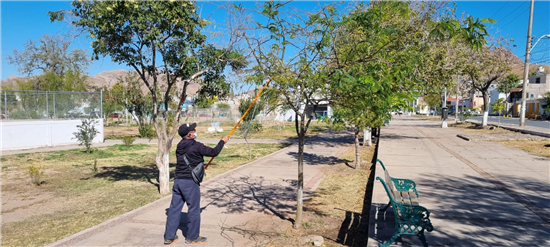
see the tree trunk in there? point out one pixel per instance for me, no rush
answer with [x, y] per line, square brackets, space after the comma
[367, 138]
[485, 109]
[357, 155]
[300, 191]
[162, 161]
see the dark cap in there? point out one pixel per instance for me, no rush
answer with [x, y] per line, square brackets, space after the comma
[185, 128]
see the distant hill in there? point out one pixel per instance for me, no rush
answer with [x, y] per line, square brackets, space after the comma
[518, 69]
[105, 78]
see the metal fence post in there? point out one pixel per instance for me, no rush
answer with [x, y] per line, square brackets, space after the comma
[54, 116]
[5, 105]
[101, 103]
[47, 106]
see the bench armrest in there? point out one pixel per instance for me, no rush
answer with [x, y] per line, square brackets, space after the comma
[402, 184]
[414, 214]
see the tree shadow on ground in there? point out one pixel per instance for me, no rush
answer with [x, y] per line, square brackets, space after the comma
[251, 194]
[461, 206]
[147, 173]
[393, 136]
[314, 159]
[331, 138]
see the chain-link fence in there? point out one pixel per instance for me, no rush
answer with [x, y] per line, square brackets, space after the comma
[20, 104]
[225, 116]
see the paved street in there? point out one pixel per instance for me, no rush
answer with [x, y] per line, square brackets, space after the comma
[515, 121]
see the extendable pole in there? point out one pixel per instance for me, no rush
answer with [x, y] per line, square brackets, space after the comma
[242, 117]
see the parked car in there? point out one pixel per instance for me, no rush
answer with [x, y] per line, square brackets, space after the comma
[114, 115]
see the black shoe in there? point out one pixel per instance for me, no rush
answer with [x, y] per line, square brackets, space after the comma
[199, 240]
[169, 241]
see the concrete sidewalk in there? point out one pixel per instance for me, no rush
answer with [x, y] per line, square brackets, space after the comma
[246, 206]
[479, 194]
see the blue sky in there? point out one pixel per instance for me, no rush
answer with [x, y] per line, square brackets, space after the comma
[21, 21]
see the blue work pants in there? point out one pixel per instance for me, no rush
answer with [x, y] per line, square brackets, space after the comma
[184, 191]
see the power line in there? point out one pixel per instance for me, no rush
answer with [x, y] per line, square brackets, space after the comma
[499, 9]
[525, 1]
[515, 18]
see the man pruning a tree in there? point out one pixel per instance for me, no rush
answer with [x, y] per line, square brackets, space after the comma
[189, 155]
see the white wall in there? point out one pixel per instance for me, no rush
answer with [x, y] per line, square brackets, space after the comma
[32, 134]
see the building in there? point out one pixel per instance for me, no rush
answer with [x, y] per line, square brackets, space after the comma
[538, 86]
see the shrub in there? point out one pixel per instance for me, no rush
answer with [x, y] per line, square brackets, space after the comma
[36, 173]
[146, 131]
[86, 133]
[128, 140]
[223, 106]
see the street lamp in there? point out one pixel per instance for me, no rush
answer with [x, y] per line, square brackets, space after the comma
[525, 77]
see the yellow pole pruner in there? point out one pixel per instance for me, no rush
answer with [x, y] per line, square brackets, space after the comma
[242, 117]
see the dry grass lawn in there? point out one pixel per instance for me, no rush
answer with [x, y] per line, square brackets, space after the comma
[471, 128]
[73, 196]
[334, 210]
[536, 147]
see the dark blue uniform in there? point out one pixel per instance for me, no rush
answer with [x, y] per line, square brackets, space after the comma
[185, 190]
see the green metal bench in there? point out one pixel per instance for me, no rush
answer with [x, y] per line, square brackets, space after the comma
[410, 217]
[404, 190]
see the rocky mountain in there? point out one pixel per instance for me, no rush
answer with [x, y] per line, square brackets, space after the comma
[105, 78]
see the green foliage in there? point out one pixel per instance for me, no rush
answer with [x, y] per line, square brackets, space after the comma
[546, 103]
[433, 100]
[127, 94]
[254, 111]
[223, 106]
[36, 173]
[499, 105]
[86, 133]
[128, 140]
[250, 128]
[205, 102]
[50, 54]
[510, 82]
[146, 131]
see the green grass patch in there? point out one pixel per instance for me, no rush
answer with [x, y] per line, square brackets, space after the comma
[76, 197]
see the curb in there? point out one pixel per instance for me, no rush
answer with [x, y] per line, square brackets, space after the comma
[516, 129]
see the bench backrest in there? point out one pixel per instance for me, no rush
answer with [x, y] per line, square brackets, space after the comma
[387, 178]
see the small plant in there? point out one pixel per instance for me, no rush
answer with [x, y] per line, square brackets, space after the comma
[86, 133]
[498, 107]
[36, 173]
[128, 140]
[464, 115]
[94, 169]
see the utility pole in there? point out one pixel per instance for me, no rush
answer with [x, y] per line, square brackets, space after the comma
[456, 99]
[526, 68]
[444, 110]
